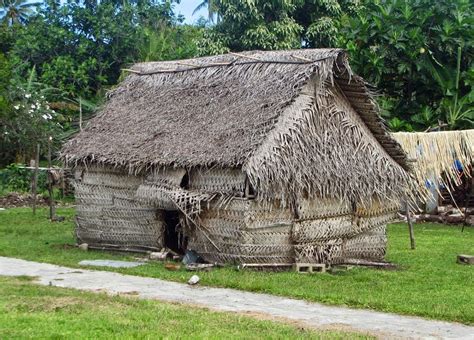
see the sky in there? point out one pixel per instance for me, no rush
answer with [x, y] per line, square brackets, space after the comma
[186, 8]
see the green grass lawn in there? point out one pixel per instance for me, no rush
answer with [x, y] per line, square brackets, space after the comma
[428, 283]
[32, 311]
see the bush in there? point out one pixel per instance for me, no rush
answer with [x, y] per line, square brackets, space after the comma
[16, 178]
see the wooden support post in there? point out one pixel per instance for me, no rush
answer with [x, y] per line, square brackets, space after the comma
[410, 226]
[35, 178]
[80, 114]
[466, 203]
[50, 182]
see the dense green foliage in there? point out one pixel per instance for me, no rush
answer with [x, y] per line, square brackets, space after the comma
[65, 57]
[17, 179]
[410, 51]
[50, 312]
[407, 49]
[62, 57]
[428, 282]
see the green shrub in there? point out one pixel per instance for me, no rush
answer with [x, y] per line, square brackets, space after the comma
[16, 178]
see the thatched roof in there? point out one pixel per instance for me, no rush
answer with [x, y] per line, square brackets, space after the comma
[218, 111]
[438, 155]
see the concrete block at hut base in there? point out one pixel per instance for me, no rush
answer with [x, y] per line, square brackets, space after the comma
[309, 268]
[83, 246]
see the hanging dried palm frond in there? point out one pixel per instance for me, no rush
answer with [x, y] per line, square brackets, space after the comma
[440, 156]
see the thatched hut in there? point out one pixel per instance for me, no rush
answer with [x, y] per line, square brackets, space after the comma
[259, 157]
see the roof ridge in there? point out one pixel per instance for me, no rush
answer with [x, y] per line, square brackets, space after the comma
[232, 63]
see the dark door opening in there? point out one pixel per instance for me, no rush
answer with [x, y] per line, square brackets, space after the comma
[174, 238]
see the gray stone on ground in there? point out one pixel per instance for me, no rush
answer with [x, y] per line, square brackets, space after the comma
[110, 263]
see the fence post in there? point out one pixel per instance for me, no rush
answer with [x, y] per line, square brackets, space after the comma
[35, 178]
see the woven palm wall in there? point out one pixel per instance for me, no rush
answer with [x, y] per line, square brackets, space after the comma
[330, 231]
[107, 212]
[246, 231]
[243, 230]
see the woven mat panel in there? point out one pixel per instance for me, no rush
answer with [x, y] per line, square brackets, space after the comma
[318, 230]
[104, 190]
[260, 215]
[370, 245]
[319, 252]
[156, 195]
[231, 181]
[159, 187]
[222, 230]
[314, 209]
[268, 236]
[108, 213]
[367, 223]
[95, 211]
[377, 208]
[222, 257]
[244, 231]
[120, 232]
[112, 178]
[168, 176]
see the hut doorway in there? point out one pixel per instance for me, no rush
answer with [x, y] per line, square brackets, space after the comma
[174, 239]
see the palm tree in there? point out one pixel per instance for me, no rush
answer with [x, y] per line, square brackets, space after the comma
[211, 8]
[16, 10]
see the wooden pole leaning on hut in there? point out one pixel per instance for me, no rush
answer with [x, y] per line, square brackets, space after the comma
[410, 225]
[35, 178]
[50, 182]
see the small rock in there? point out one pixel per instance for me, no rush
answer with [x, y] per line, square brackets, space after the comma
[193, 280]
[83, 246]
[160, 256]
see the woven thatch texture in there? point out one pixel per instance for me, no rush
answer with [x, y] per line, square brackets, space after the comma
[244, 231]
[219, 112]
[435, 155]
[226, 181]
[329, 231]
[321, 148]
[108, 214]
[159, 187]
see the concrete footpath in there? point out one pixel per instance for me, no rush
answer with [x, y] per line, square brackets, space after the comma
[383, 325]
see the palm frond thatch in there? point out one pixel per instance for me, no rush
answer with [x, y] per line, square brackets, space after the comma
[241, 111]
[438, 156]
